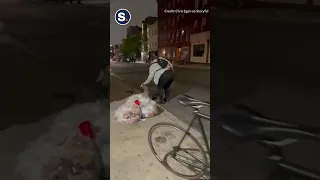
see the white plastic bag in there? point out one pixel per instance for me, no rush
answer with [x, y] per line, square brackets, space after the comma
[137, 108]
[129, 113]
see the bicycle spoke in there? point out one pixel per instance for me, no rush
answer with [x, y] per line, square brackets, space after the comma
[193, 170]
[195, 157]
[191, 164]
[188, 160]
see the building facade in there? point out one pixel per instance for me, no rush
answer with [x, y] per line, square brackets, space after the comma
[241, 3]
[200, 47]
[144, 37]
[152, 31]
[115, 51]
[300, 2]
[111, 52]
[175, 29]
[133, 30]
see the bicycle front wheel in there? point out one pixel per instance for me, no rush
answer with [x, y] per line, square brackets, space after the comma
[188, 161]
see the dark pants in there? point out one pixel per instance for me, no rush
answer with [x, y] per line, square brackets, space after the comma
[163, 86]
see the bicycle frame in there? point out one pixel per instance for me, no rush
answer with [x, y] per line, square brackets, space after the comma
[197, 117]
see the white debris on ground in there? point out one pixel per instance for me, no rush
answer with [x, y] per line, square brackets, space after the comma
[130, 112]
[47, 150]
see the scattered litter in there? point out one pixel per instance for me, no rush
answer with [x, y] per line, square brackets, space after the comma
[137, 108]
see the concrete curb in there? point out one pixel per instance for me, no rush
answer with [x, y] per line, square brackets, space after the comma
[175, 120]
[204, 67]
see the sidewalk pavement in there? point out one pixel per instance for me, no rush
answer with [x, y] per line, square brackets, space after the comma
[130, 154]
[38, 143]
[193, 66]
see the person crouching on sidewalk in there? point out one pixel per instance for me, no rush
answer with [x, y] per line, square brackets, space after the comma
[162, 73]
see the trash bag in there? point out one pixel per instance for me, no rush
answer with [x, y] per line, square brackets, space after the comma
[136, 108]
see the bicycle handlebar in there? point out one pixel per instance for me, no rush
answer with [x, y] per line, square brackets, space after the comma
[196, 100]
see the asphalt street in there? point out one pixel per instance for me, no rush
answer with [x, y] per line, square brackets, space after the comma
[192, 81]
[271, 67]
[52, 58]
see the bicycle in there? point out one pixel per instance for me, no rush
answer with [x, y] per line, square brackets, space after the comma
[251, 126]
[198, 166]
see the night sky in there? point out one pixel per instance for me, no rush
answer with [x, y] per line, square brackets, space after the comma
[139, 10]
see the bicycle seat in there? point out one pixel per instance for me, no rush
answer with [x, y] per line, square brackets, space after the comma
[190, 101]
[247, 121]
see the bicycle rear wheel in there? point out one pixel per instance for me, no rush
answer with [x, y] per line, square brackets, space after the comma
[189, 161]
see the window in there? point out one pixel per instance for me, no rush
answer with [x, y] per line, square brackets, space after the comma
[195, 23]
[181, 35]
[176, 39]
[203, 23]
[204, 20]
[205, 2]
[198, 50]
[172, 36]
[196, 4]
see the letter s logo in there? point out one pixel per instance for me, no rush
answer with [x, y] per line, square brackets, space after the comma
[122, 17]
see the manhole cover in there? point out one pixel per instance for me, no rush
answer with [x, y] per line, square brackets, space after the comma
[161, 139]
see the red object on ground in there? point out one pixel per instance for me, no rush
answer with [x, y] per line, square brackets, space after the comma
[86, 129]
[137, 102]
